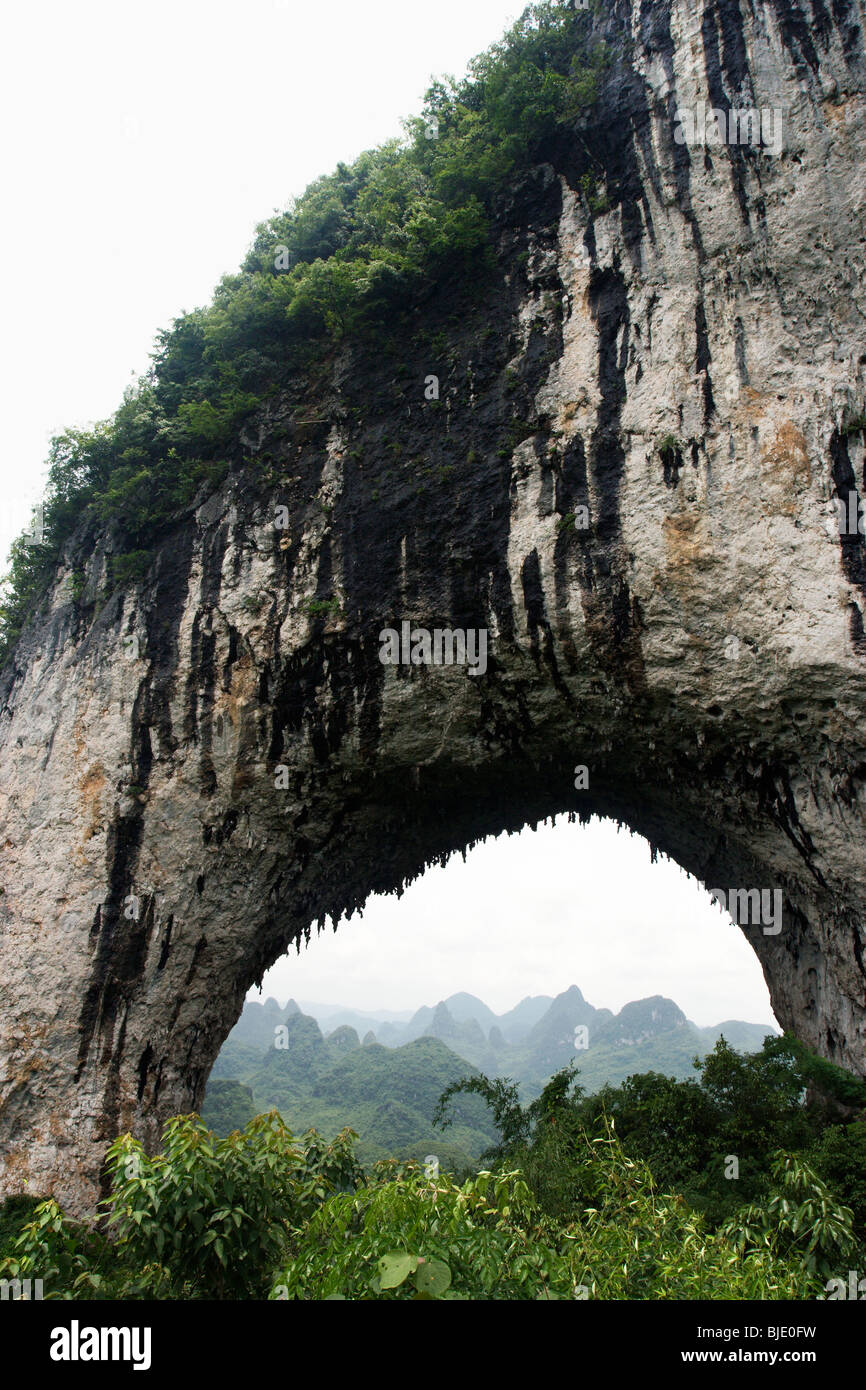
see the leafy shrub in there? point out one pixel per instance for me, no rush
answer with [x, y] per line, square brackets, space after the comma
[496, 1243]
[215, 1213]
[260, 1211]
[545, 1139]
[127, 568]
[14, 1215]
[77, 582]
[801, 1220]
[750, 1106]
[204, 1218]
[63, 1254]
[638, 1244]
[478, 1231]
[321, 608]
[839, 1156]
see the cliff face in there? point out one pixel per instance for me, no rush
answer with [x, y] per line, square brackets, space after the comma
[688, 366]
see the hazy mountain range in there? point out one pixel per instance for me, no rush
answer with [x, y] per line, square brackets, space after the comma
[532, 1040]
[387, 1095]
[325, 1067]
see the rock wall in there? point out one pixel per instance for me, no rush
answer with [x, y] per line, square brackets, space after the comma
[629, 481]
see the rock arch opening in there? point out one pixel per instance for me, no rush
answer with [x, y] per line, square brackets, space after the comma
[563, 945]
[529, 916]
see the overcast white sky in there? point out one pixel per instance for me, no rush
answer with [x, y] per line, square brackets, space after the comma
[141, 145]
[533, 914]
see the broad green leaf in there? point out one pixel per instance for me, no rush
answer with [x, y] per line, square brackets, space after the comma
[432, 1277]
[395, 1267]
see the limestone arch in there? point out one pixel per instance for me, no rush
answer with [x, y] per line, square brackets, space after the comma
[699, 644]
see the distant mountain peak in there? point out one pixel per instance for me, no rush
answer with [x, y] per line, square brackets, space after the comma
[528, 1043]
[642, 1019]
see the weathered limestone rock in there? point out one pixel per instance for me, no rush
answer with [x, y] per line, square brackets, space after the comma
[688, 366]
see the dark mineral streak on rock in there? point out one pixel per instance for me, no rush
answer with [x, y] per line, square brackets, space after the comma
[851, 540]
[610, 615]
[122, 940]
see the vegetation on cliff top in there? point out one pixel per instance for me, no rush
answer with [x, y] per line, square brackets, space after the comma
[360, 247]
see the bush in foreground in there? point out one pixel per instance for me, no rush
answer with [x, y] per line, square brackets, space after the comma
[261, 1213]
[495, 1242]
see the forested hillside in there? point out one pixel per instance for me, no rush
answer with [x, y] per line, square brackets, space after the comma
[328, 1078]
[386, 1095]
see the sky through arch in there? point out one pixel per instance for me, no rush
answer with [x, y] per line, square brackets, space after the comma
[533, 914]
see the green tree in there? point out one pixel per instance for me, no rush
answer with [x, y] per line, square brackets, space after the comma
[802, 1220]
[213, 1215]
[839, 1156]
